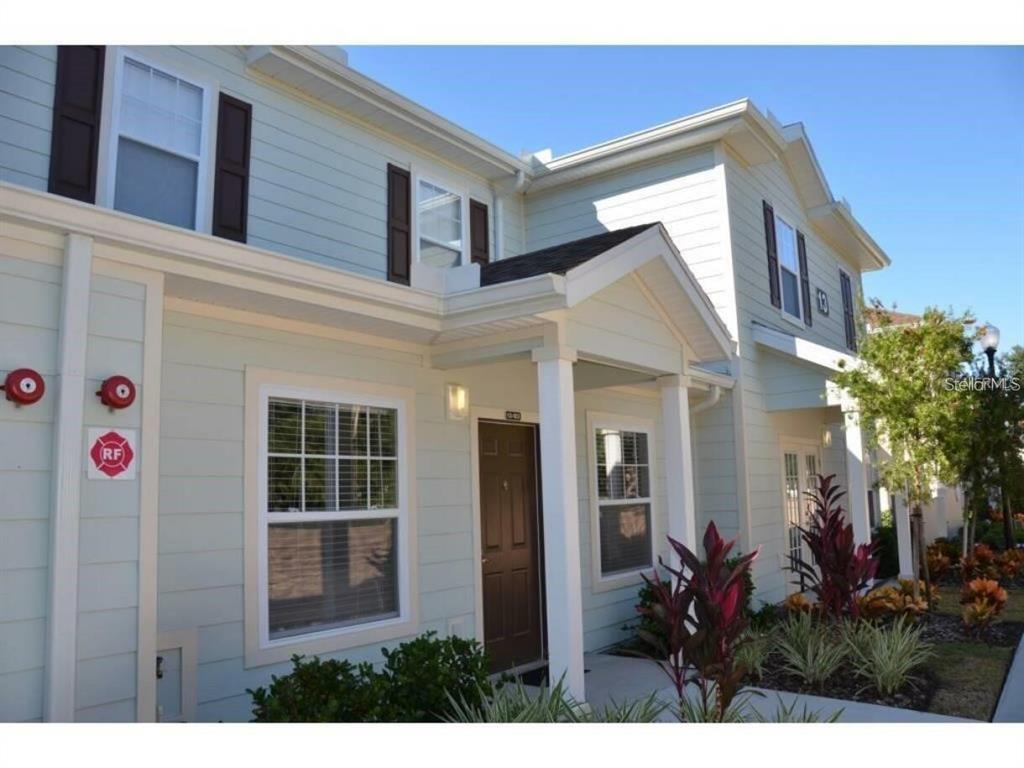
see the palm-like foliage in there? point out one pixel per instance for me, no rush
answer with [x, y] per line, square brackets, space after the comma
[840, 570]
[700, 616]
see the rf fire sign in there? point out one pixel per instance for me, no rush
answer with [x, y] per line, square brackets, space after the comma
[112, 454]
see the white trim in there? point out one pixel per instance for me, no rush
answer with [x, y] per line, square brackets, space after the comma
[802, 349]
[476, 415]
[600, 420]
[187, 641]
[66, 477]
[111, 130]
[308, 66]
[260, 384]
[149, 476]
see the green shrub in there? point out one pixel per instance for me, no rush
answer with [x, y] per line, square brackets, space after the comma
[318, 691]
[416, 684]
[766, 616]
[420, 676]
[888, 552]
[809, 648]
[885, 656]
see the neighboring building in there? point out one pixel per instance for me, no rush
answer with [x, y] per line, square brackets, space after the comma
[389, 377]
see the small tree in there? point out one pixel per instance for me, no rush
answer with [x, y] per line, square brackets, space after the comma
[906, 404]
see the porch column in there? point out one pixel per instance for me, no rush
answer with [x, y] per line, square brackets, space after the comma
[901, 519]
[560, 499]
[856, 479]
[675, 415]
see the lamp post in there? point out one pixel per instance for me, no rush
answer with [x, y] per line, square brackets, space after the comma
[990, 343]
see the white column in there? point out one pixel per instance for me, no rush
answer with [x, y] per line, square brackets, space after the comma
[901, 518]
[62, 614]
[561, 517]
[675, 415]
[856, 479]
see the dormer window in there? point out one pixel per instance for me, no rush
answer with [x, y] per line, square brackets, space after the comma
[439, 213]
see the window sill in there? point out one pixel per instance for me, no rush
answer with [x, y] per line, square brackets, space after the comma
[797, 321]
[619, 580]
[330, 641]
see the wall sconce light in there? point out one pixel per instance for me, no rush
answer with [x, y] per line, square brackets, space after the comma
[457, 397]
[826, 436]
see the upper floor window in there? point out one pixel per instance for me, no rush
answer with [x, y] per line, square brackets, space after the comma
[439, 213]
[789, 267]
[159, 144]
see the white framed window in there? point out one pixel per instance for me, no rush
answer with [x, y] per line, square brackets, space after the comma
[789, 268]
[440, 224]
[622, 520]
[158, 144]
[332, 525]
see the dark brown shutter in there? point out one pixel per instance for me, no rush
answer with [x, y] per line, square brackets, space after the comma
[75, 140]
[479, 233]
[399, 224]
[231, 185]
[849, 323]
[805, 281]
[773, 254]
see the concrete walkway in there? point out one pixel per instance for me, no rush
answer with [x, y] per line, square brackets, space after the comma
[620, 679]
[1010, 708]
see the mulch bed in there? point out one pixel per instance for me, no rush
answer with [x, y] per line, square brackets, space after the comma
[937, 628]
[845, 685]
[946, 628]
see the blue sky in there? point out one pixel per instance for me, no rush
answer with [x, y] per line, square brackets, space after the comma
[926, 143]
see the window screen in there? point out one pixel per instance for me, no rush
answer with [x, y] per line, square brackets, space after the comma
[789, 266]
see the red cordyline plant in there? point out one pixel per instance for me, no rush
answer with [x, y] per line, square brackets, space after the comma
[700, 612]
[840, 569]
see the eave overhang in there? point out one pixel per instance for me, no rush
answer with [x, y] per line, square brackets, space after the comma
[326, 79]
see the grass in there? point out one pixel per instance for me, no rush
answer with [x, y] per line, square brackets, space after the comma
[970, 677]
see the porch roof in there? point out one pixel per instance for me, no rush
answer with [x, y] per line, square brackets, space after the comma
[558, 259]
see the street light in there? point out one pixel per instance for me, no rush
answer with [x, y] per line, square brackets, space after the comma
[990, 342]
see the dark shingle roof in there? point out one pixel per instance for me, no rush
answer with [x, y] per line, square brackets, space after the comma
[557, 259]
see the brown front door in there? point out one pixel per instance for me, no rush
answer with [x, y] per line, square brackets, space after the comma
[510, 547]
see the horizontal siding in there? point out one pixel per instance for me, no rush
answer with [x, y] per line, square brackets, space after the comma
[27, 78]
[30, 278]
[317, 177]
[201, 553]
[682, 192]
[108, 551]
[768, 380]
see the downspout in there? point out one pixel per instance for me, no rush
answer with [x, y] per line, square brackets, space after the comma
[519, 188]
[714, 395]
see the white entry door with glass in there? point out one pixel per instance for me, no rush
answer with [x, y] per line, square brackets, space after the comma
[801, 462]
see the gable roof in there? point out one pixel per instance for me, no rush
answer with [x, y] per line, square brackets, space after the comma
[557, 259]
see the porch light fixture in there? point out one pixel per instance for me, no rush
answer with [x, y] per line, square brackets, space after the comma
[826, 436]
[457, 398]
